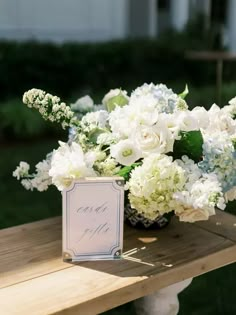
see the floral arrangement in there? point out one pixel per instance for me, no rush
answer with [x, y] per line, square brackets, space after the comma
[172, 159]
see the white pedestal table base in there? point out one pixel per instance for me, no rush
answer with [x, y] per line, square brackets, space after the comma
[162, 302]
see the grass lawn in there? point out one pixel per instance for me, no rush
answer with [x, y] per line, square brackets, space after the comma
[210, 294]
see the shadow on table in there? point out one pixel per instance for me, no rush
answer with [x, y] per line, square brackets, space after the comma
[148, 253]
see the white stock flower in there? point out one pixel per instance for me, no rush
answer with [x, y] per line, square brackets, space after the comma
[69, 163]
[125, 152]
[22, 170]
[27, 184]
[49, 106]
[42, 180]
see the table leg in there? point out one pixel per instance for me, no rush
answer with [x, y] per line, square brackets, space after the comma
[219, 74]
[162, 302]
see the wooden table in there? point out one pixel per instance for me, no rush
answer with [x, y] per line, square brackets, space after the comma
[35, 280]
[219, 57]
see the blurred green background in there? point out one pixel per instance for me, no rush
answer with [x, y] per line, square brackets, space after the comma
[73, 70]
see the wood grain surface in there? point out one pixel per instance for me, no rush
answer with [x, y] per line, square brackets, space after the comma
[35, 280]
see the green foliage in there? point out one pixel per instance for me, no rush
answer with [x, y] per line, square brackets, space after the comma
[63, 69]
[190, 144]
[126, 170]
[18, 121]
[91, 67]
[184, 93]
[94, 134]
[114, 101]
[25, 206]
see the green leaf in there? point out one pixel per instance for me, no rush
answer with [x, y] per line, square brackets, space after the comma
[118, 100]
[125, 171]
[184, 93]
[190, 144]
[93, 134]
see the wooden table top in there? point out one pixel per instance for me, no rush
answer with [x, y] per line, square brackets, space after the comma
[210, 55]
[35, 280]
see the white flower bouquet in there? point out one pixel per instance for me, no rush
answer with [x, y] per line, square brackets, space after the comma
[173, 160]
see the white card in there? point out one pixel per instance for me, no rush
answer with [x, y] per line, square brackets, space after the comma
[93, 214]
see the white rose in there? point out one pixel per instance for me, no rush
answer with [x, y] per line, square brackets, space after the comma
[125, 152]
[230, 195]
[155, 139]
[192, 215]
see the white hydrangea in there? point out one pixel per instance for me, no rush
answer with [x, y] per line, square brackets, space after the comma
[200, 198]
[165, 99]
[201, 194]
[192, 171]
[152, 185]
[107, 167]
[69, 163]
[219, 157]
